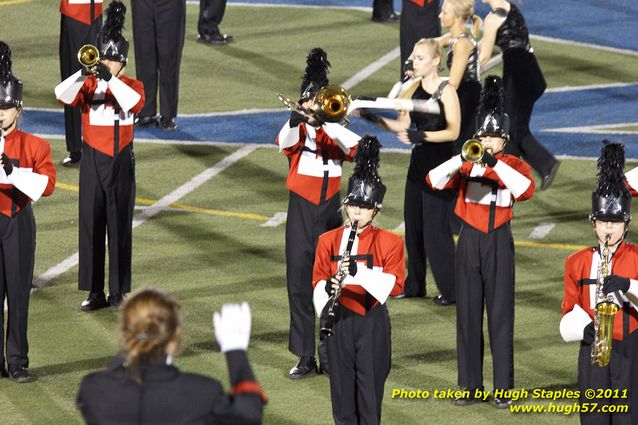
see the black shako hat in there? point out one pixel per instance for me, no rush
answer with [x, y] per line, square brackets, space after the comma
[10, 85]
[365, 186]
[316, 74]
[491, 119]
[611, 201]
[110, 41]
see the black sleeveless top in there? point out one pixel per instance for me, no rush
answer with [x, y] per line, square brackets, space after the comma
[427, 155]
[513, 33]
[472, 67]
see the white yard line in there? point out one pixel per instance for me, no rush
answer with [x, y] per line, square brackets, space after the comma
[581, 44]
[590, 87]
[371, 69]
[400, 228]
[542, 230]
[597, 129]
[277, 219]
[154, 209]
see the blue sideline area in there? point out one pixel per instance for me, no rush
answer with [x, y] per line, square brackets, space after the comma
[579, 20]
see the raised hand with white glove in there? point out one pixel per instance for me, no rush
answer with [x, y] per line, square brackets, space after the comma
[232, 327]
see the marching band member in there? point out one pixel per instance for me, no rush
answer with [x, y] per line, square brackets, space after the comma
[485, 248]
[610, 219]
[80, 21]
[315, 151]
[462, 59]
[359, 351]
[109, 101]
[523, 81]
[26, 174]
[426, 211]
[141, 386]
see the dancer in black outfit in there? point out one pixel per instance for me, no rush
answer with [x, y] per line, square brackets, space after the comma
[427, 212]
[524, 83]
[419, 19]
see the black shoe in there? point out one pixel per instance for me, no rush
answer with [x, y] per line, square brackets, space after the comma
[502, 403]
[215, 39]
[548, 178]
[146, 121]
[95, 301]
[471, 399]
[3, 372]
[440, 300]
[72, 159]
[305, 367]
[391, 18]
[19, 374]
[115, 299]
[167, 124]
[323, 369]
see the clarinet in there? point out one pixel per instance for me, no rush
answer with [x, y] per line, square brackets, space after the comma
[334, 305]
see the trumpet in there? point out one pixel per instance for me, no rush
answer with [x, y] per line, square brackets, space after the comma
[333, 103]
[89, 56]
[472, 150]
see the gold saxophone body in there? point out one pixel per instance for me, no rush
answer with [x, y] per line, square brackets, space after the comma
[606, 310]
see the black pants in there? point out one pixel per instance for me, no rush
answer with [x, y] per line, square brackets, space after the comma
[416, 23]
[305, 223]
[382, 8]
[211, 13]
[17, 249]
[158, 32]
[107, 199]
[360, 356]
[428, 237]
[485, 276]
[616, 375]
[73, 35]
[469, 93]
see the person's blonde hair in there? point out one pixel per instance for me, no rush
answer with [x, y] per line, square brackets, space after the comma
[436, 52]
[464, 9]
[149, 320]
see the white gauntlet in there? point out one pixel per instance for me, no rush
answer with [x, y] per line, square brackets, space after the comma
[232, 326]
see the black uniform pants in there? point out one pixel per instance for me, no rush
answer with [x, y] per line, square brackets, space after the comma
[158, 32]
[382, 8]
[524, 83]
[416, 23]
[485, 276]
[107, 199]
[360, 356]
[211, 13]
[17, 251]
[305, 223]
[616, 375]
[73, 35]
[469, 93]
[428, 237]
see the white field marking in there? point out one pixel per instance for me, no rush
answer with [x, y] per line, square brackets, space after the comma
[400, 228]
[581, 44]
[154, 209]
[542, 230]
[291, 6]
[589, 87]
[275, 220]
[598, 129]
[371, 69]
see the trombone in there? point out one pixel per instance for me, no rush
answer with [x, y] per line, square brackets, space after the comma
[333, 103]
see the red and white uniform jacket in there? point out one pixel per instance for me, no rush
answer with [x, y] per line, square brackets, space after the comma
[108, 108]
[579, 301]
[380, 268]
[486, 195]
[315, 157]
[33, 172]
[80, 10]
[631, 181]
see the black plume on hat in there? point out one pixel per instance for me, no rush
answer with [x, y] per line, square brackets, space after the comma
[491, 119]
[110, 41]
[316, 74]
[611, 200]
[10, 86]
[365, 186]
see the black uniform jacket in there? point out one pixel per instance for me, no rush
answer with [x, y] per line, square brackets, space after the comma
[169, 396]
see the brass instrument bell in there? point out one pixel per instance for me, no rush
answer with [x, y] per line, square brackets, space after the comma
[89, 56]
[472, 150]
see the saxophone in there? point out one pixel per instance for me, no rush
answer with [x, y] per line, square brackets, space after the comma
[605, 311]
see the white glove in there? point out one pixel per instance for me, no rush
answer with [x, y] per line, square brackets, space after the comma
[232, 326]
